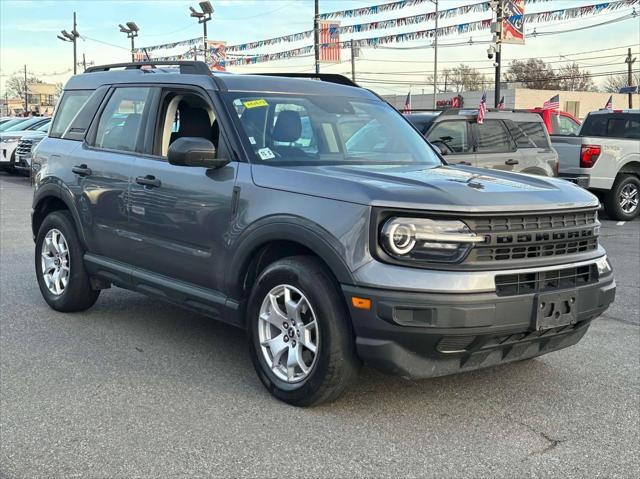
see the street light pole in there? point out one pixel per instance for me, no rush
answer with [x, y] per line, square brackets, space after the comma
[435, 58]
[203, 17]
[353, 62]
[316, 35]
[26, 92]
[132, 32]
[65, 36]
[498, 53]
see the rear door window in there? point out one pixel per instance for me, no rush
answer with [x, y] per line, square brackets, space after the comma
[120, 124]
[492, 137]
[454, 134]
[70, 104]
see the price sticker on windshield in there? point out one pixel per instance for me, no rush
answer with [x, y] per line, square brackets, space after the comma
[266, 154]
[255, 103]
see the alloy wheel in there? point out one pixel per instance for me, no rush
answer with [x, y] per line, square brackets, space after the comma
[288, 333]
[55, 261]
[629, 198]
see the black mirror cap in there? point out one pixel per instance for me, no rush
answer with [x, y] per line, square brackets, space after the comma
[194, 151]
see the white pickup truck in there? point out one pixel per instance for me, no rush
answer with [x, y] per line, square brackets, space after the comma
[605, 158]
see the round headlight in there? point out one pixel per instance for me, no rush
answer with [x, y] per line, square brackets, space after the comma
[401, 238]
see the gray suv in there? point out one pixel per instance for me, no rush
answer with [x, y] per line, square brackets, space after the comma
[312, 214]
[506, 140]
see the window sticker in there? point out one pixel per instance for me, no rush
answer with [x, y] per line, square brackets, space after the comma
[266, 154]
[252, 140]
[255, 103]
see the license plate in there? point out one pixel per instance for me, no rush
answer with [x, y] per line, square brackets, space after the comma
[556, 309]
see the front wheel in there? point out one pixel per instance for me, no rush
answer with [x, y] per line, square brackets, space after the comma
[62, 278]
[300, 338]
[622, 201]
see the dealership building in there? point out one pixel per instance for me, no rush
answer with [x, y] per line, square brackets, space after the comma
[577, 103]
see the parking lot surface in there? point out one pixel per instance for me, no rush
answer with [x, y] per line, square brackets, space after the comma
[137, 388]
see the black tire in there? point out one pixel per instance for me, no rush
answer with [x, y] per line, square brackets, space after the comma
[612, 204]
[336, 364]
[78, 294]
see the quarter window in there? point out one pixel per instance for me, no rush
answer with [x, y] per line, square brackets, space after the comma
[121, 121]
[566, 126]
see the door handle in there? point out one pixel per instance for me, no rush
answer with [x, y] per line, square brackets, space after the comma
[148, 180]
[511, 162]
[82, 170]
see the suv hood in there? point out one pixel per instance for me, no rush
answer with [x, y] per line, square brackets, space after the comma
[443, 188]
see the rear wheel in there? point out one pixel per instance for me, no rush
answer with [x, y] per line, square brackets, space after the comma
[623, 200]
[62, 278]
[300, 337]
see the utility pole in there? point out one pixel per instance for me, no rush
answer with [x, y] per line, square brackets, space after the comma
[316, 35]
[65, 36]
[195, 53]
[629, 61]
[26, 93]
[435, 57]
[353, 62]
[498, 52]
[84, 63]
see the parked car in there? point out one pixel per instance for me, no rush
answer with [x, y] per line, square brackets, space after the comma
[11, 136]
[11, 122]
[328, 245]
[605, 158]
[5, 119]
[26, 146]
[506, 140]
[558, 122]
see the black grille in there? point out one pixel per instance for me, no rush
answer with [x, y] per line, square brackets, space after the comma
[533, 236]
[533, 222]
[24, 148]
[526, 283]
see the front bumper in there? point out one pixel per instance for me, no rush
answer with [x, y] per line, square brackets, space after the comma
[420, 335]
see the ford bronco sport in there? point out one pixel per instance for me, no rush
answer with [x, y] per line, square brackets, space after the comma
[311, 213]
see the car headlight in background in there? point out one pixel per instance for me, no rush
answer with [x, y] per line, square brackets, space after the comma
[11, 139]
[423, 239]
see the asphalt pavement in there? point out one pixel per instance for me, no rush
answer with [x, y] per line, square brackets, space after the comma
[137, 388]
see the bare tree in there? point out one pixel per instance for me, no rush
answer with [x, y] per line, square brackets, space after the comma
[15, 85]
[462, 78]
[571, 78]
[613, 83]
[533, 73]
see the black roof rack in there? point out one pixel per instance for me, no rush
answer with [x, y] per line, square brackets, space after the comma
[187, 67]
[328, 77]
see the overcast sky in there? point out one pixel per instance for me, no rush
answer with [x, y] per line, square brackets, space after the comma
[28, 36]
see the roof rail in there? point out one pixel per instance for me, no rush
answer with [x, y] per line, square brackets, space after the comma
[328, 77]
[187, 67]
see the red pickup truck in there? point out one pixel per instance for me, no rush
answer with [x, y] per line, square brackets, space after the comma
[558, 122]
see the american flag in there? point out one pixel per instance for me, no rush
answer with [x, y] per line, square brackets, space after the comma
[329, 42]
[501, 104]
[482, 108]
[552, 103]
[407, 104]
[609, 105]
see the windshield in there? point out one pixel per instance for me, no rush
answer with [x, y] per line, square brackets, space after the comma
[24, 125]
[5, 126]
[44, 127]
[308, 129]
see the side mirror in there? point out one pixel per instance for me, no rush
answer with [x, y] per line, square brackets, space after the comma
[438, 150]
[441, 147]
[194, 151]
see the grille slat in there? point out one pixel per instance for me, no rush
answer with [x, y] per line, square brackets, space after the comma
[543, 281]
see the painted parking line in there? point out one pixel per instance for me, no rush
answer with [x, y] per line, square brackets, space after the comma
[620, 223]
